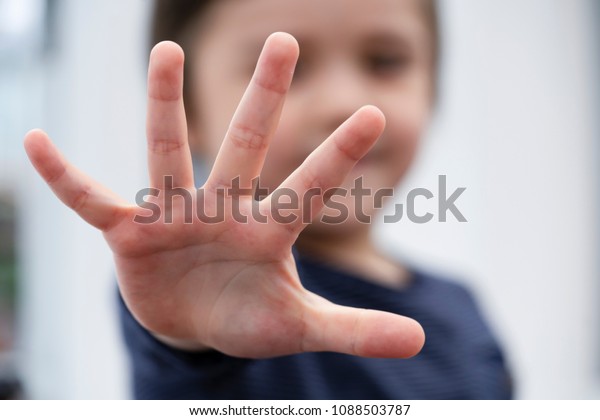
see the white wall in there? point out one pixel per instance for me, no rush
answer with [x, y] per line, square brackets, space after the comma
[516, 128]
[94, 109]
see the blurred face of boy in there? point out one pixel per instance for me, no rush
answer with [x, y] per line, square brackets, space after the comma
[352, 53]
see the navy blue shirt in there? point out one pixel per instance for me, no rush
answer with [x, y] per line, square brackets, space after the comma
[460, 359]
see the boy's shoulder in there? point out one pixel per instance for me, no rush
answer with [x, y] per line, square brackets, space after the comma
[437, 282]
[449, 308]
[443, 291]
[420, 281]
[426, 293]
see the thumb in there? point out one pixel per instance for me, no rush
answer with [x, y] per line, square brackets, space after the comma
[361, 332]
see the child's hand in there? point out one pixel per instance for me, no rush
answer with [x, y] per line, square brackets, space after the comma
[230, 286]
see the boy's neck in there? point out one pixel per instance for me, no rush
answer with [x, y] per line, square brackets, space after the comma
[355, 254]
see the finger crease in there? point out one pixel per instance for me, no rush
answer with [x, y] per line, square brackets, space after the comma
[347, 152]
[270, 87]
[53, 177]
[355, 328]
[247, 138]
[116, 217]
[165, 146]
[80, 198]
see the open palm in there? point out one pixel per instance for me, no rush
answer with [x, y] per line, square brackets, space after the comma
[232, 285]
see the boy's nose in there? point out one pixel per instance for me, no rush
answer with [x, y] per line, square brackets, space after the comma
[337, 94]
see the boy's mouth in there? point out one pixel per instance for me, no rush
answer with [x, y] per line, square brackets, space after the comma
[376, 154]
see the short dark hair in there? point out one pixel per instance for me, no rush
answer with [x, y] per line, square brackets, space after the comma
[171, 20]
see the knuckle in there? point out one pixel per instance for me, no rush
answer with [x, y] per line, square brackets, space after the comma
[247, 138]
[164, 146]
[349, 150]
[116, 216]
[80, 198]
[53, 175]
[313, 181]
[275, 86]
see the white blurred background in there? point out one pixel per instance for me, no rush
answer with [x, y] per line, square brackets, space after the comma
[518, 127]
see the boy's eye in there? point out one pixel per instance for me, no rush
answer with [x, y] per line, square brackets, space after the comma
[385, 64]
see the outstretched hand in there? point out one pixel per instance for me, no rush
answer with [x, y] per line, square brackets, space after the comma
[231, 286]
